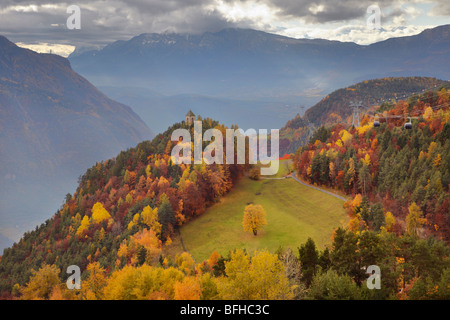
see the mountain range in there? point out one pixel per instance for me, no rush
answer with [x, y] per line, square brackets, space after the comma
[266, 78]
[53, 125]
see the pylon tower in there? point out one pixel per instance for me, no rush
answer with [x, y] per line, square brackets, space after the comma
[355, 120]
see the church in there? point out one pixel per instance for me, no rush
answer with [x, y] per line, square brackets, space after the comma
[190, 118]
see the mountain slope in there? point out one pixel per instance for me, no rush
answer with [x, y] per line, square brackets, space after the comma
[389, 164]
[219, 64]
[140, 177]
[249, 65]
[118, 225]
[336, 107]
[53, 124]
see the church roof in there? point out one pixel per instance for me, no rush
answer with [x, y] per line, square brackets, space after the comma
[190, 114]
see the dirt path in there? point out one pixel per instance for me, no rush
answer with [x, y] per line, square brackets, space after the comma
[294, 176]
[267, 178]
[184, 247]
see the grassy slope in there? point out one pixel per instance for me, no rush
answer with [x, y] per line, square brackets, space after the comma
[294, 213]
[284, 169]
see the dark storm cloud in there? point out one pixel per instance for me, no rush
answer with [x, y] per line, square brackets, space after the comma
[105, 21]
[323, 11]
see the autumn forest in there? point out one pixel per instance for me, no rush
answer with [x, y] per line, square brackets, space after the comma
[126, 212]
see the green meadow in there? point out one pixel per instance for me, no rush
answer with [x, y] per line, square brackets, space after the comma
[294, 213]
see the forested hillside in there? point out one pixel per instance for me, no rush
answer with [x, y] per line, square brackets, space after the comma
[336, 108]
[134, 201]
[389, 165]
[125, 212]
[53, 125]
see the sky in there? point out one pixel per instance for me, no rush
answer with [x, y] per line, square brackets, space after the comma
[42, 25]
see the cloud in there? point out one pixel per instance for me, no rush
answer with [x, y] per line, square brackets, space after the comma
[359, 34]
[59, 49]
[320, 11]
[442, 8]
[102, 22]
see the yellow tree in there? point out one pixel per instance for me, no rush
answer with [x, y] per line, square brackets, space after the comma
[390, 221]
[142, 283]
[123, 251]
[236, 285]
[414, 220]
[99, 213]
[269, 278]
[188, 289]
[356, 202]
[129, 198]
[254, 218]
[41, 283]
[83, 226]
[332, 169]
[147, 238]
[354, 225]
[346, 137]
[134, 221]
[92, 288]
[213, 259]
[261, 277]
[150, 218]
[366, 160]
[60, 292]
[208, 284]
[148, 171]
[428, 113]
[143, 247]
[437, 160]
[185, 262]
[351, 171]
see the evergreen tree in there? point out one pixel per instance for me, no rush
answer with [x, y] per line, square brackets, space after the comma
[377, 216]
[325, 260]
[166, 215]
[345, 254]
[364, 178]
[309, 259]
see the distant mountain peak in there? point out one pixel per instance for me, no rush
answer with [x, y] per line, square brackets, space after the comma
[5, 42]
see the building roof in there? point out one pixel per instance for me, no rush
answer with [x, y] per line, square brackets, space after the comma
[190, 114]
